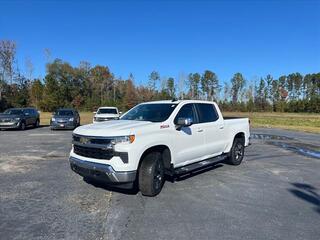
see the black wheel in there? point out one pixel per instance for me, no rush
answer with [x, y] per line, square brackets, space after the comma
[22, 126]
[237, 152]
[151, 174]
[37, 123]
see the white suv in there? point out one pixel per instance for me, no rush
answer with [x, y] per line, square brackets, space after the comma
[106, 114]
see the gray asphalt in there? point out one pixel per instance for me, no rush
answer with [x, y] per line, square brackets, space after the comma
[273, 194]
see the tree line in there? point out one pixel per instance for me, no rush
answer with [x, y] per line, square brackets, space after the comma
[87, 87]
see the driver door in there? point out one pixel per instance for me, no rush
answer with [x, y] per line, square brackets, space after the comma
[189, 141]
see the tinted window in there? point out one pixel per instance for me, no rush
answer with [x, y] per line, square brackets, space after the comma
[64, 113]
[155, 112]
[187, 111]
[107, 110]
[206, 112]
[14, 111]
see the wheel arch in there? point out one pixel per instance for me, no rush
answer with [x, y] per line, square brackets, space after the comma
[163, 149]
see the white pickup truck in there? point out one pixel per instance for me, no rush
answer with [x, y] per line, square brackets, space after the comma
[155, 139]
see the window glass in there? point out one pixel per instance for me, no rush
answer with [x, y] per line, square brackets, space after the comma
[153, 112]
[107, 111]
[207, 112]
[186, 112]
[64, 113]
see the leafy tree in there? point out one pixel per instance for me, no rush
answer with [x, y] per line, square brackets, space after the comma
[238, 83]
[170, 87]
[210, 85]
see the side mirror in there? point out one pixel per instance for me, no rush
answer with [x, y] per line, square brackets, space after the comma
[120, 113]
[94, 112]
[184, 122]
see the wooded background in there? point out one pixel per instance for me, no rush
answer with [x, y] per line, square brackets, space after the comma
[87, 87]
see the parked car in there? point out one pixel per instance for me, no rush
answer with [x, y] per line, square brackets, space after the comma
[65, 118]
[158, 138]
[19, 118]
[106, 114]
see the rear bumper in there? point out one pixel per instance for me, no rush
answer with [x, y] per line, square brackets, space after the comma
[101, 172]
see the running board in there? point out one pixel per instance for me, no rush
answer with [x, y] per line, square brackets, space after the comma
[197, 165]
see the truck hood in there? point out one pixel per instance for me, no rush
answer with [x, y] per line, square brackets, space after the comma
[111, 128]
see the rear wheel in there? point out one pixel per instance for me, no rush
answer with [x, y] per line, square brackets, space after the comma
[151, 174]
[237, 152]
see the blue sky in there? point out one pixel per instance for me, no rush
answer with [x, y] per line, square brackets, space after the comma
[172, 37]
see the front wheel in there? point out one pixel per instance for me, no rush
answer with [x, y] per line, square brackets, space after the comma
[22, 126]
[237, 152]
[37, 123]
[151, 174]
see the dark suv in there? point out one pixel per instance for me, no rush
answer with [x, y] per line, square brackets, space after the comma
[65, 118]
[19, 118]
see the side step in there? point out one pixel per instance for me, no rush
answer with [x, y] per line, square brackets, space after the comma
[197, 165]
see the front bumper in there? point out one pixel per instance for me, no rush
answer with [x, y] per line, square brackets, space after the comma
[101, 172]
[63, 125]
[9, 125]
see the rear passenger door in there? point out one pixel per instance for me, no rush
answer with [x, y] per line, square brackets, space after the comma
[212, 126]
[28, 116]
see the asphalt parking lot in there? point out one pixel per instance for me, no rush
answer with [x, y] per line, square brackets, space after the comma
[273, 194]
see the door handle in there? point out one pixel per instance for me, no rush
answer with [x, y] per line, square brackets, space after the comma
[200, 130]
[221, 127]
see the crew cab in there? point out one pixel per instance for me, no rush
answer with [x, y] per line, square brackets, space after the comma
[106, 114]
[157, 138]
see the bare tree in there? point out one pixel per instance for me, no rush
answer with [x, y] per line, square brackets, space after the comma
[29, 68]
[7, 57]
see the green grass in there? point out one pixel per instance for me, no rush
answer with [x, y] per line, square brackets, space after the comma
[291, 121]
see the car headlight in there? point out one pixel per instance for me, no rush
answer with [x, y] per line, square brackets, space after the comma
[53, 119]
[17, 119]
[123, 139]
[71, 119]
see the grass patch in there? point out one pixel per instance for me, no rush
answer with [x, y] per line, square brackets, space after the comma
[291, 121]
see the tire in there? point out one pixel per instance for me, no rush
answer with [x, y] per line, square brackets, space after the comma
[237, 152]
[37, 124]
[22, 126]
[151, 174]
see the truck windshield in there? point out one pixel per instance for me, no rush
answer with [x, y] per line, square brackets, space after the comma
[107, 111]
[14, 111]
[154, 112]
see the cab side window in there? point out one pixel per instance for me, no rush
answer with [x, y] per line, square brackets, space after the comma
[187, 111]
[207, 112]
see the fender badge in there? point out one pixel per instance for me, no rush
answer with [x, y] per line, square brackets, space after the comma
[164, 126]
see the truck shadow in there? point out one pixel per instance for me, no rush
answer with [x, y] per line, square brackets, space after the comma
[135, 190]
[307, 193]
[97, 184]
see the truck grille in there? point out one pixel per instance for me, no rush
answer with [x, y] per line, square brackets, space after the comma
[90, 140]
[96, 153]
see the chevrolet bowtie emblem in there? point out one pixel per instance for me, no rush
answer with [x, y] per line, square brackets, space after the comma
[84, 140]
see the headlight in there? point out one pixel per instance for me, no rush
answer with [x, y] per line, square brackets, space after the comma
[53, 119]
[71, 119]
[17, 119]
[123, 139]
